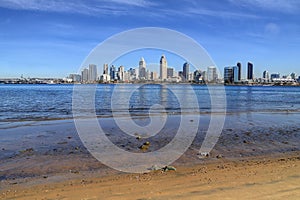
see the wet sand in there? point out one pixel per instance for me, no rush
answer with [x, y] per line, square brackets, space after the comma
[258, 157]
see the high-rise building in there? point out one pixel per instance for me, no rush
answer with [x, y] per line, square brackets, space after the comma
[239, 65]
[105, 69]
[84, 75]
[142, 69]
[186, 71]
[250, 71]
[163, 68]
[112, 72]
[231, 75]
[170, 72]
[235, 74]
[121, 73]
[212, 75]
[266, 76]
[228, 75]
[92, 73]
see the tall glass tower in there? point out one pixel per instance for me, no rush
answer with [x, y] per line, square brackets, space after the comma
[142, 69]
[250, 71]
[186, 71]
[163, 68]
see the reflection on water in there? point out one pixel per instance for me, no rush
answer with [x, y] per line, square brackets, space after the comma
[28, 102]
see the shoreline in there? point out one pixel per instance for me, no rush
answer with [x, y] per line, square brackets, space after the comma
[261, 177]
[50, 154]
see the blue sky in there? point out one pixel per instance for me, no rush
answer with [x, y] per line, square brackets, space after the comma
[51, 38]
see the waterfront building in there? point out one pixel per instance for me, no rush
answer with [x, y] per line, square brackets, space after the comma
[198, 76]
[250, 71]
[154, 76]
[121, 73]
[85, 75]
[239, 65]
[212, 75]
[112, 72]
[266, 76]
[170, 72]
[231, 75]
[105, 69]
[76, 78]
[235, 74]
[185, 71]
[163, 68]
[142, 69]
[92, 77]
[293, 76]
[275, 76]
[105, 78]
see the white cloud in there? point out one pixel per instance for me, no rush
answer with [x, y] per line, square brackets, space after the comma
[290, 6]
[93, 7]
[218, 13]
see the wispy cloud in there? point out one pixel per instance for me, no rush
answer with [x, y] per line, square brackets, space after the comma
[290, 6]
[218, 13]
[138, 3]
[94, 7]
[122, 7]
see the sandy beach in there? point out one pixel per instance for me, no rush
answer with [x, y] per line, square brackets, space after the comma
[252, 159]
[259, 178]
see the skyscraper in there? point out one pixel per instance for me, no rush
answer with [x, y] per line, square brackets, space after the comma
[105, 69]
[163, 68]
[250, 71]
[92, 73]
[236, 73]
[142, 69]
[121, 73]
[112, 72]
[186, 71]
[212, 75]
[239, 65]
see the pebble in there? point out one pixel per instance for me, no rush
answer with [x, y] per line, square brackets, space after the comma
[219, 156]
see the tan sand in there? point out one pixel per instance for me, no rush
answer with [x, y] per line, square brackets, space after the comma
[259, 178]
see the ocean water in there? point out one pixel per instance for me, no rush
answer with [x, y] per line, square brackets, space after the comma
[42, 102]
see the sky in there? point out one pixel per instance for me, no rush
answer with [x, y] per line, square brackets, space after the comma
[52, 38]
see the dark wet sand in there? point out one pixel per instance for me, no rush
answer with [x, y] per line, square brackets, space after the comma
[259, 153]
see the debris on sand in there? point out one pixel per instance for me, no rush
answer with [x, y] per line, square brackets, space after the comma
[246, 142]
[29, 150]
[163, 169]
[145, 146]
[203, 154]
[168, 168]
[219, 156]
[138, 137]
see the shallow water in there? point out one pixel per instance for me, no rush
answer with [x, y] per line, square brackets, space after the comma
[42, 102]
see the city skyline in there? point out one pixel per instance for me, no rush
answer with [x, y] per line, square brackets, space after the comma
[209, 75]
[51, 39]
